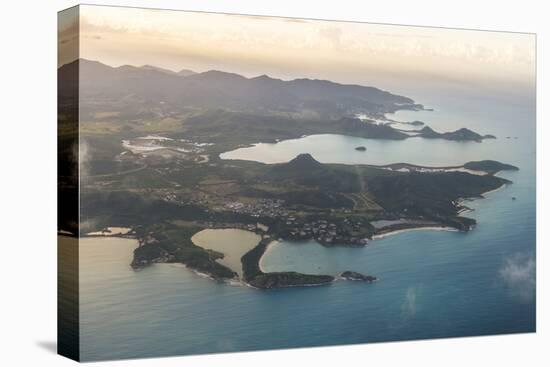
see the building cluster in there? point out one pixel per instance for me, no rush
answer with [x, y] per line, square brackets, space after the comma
[325, 232]
[172, 197]
[271, 208]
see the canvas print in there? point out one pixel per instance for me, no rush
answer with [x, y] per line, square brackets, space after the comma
[234, 183]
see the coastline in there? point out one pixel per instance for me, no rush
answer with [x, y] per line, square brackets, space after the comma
[494, 190]
[231, 281]
[428, 228]
[112, 232]
[130, 236]
[439, 228]
[267, 249]
[483, 195]
[126, 232]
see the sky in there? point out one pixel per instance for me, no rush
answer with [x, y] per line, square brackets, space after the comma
[389, 56]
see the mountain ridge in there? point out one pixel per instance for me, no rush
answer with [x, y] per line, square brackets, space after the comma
[221, 89]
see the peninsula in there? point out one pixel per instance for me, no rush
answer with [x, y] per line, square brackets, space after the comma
[336, 205]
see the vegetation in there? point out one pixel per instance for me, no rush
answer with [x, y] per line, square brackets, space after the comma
[254, 276]
[171, 244]
[491, 167]
[353, 275]
[289, 279]
[462, 134]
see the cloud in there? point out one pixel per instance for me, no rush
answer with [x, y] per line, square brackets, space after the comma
[84, 158]
[333, 35]
[67, 36]
[89, 225]
[408, 308]
[519, 276]
[290, 48]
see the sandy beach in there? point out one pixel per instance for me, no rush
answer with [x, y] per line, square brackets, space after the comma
[267, 249]
[111, 231]
[495, 190]
[430, 228]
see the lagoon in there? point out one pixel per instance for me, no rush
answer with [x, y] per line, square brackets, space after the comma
[233, 243]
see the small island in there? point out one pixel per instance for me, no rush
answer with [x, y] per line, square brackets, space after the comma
[489, 166]
[361, 149]
[462, 134]
[353, 275]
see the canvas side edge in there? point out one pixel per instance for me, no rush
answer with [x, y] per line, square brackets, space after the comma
[68, 318]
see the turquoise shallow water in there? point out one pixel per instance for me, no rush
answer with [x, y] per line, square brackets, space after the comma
[432, 284]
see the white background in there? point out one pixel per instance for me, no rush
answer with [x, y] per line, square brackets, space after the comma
[28, 179]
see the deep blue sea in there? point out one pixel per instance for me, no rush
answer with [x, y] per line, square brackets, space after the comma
[432, 284]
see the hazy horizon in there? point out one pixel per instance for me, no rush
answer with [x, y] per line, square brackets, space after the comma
[390, 57]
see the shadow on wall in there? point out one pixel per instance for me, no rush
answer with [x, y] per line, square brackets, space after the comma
[48, 345]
